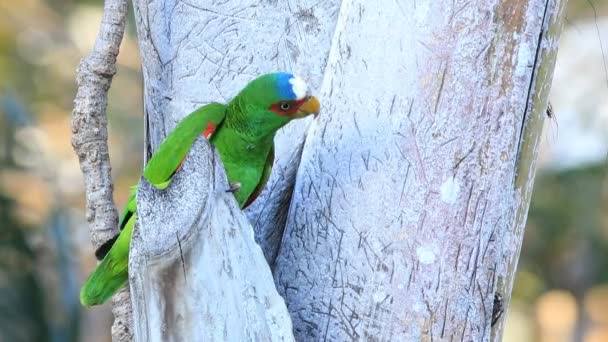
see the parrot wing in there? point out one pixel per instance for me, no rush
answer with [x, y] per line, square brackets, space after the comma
[174, 149]
[129, 211]
[112, 273]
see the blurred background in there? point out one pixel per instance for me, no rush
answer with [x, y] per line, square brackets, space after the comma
[561, 289]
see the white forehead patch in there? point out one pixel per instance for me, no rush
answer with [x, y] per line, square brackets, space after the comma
[299, 87]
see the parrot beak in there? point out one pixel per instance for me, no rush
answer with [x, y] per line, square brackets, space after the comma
[310, 106]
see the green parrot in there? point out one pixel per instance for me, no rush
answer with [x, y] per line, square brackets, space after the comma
[243, 133]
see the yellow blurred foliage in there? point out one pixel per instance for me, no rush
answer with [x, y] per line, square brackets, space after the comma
[518, 327]
[597, 334]
[56, 123]
[596, 305]
[556, 314]
[31, 195]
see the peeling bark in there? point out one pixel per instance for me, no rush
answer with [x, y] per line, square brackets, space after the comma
[411, 197]
[90, 140]
[196, 272]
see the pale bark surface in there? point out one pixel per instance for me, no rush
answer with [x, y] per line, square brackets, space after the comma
[195, 52]
[407, 211]
[196, 272]
[90, 142]
[90, 123]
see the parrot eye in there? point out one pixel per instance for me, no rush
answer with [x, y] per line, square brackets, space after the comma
[285, 106]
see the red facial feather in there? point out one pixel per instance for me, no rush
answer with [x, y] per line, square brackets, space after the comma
[295, 105]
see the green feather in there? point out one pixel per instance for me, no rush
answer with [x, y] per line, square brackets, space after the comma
[112, 273]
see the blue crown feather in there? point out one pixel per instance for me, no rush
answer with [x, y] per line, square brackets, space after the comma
[284, 88]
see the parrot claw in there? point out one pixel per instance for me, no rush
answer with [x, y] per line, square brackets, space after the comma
[234, 187]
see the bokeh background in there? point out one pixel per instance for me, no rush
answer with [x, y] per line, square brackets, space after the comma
[561, 290]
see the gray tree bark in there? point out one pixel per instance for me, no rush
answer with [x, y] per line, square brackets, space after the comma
[412, 189]
[90, 142]
[411, 197]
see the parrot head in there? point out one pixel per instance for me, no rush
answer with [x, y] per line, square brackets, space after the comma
[272, 100]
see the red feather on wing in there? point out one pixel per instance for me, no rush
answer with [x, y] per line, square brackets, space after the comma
[207, 133]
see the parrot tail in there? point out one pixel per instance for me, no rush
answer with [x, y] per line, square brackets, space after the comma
[112, 273]
[103, 250]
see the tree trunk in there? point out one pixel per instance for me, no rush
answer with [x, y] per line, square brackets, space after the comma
[411, 197]
[412, 191]
[195, 52]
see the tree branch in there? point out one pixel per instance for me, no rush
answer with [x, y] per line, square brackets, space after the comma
[90, 140]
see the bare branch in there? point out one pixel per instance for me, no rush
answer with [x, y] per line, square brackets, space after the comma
[90, 139]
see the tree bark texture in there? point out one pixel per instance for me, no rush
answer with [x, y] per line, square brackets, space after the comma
[90, 142]
[412, 192]
[196, 272]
